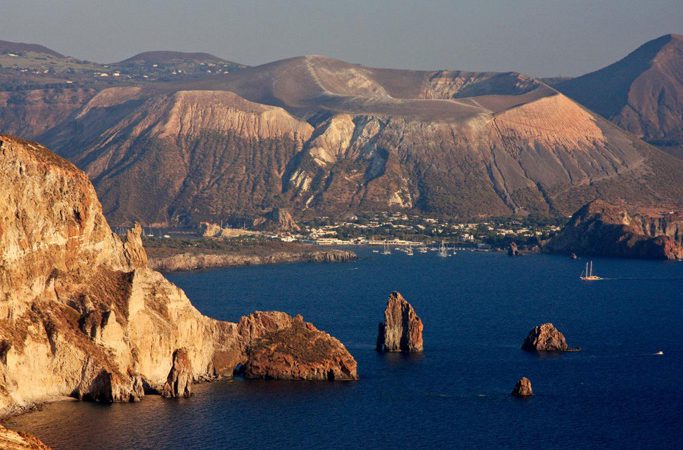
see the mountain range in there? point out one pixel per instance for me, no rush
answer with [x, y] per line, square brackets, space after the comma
[175, 138]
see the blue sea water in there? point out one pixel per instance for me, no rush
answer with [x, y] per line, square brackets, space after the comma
[477, 308]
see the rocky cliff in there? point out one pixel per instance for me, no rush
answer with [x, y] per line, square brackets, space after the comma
[277, 219]
[80, 312]
[12, 440]
[604, 229]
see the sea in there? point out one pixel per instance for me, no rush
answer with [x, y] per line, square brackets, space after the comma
[623, 390]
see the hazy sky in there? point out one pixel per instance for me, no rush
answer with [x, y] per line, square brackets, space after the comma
[539, 37]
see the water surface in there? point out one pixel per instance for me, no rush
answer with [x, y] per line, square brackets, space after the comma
[477, 308]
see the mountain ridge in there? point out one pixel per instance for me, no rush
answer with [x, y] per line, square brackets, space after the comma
[21, 47]
[642, 92]
[323, 136]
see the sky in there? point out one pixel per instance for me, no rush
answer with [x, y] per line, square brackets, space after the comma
[538, 37]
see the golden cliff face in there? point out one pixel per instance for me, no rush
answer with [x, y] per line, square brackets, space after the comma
[80, 312]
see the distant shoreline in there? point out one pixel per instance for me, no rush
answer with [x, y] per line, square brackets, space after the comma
[188, 257]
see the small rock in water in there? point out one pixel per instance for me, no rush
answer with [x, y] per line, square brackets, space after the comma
[523, 388]
[545, 338]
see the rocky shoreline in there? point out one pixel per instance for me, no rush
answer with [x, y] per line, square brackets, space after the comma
[197, 261]
[83, 314]
[10, 440]
[618, 230]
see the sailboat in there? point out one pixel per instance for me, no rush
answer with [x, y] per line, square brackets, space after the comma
[443, 251]
[386, 250]
[587, 274]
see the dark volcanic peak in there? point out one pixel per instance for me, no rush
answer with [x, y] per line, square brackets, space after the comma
[19, 48]
[170, 57]
[175, 66]
[642, 92]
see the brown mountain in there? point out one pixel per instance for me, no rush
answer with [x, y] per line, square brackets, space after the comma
[20, 49]
[171, 57]
[642, 93]
[322, 136]
[169, 66]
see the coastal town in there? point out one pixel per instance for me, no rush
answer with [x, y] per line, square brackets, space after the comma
[397, 229]
[401, 229]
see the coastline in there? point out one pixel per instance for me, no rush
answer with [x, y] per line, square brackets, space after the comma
[207, 254]
[190, 261]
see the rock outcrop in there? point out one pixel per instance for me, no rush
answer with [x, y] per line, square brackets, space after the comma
[213, 230]
[195, 261]
[179, 380]
[523, 388]
[277, 219]
[13, 440]
[545, 338]
[80, 312]
[513, 250]
[617, 230]
[401, 330]
[299, 351]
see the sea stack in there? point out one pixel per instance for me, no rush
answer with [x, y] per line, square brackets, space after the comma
[401, 330]
[179, 380]
[523, 388]
[545, 338]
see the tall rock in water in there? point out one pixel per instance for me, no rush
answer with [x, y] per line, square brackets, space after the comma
[545, 338]
[401, 330]
[179, 380]
[81, 314]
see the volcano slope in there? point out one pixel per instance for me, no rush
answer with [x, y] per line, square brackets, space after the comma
[323, 136]
[642, 93]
